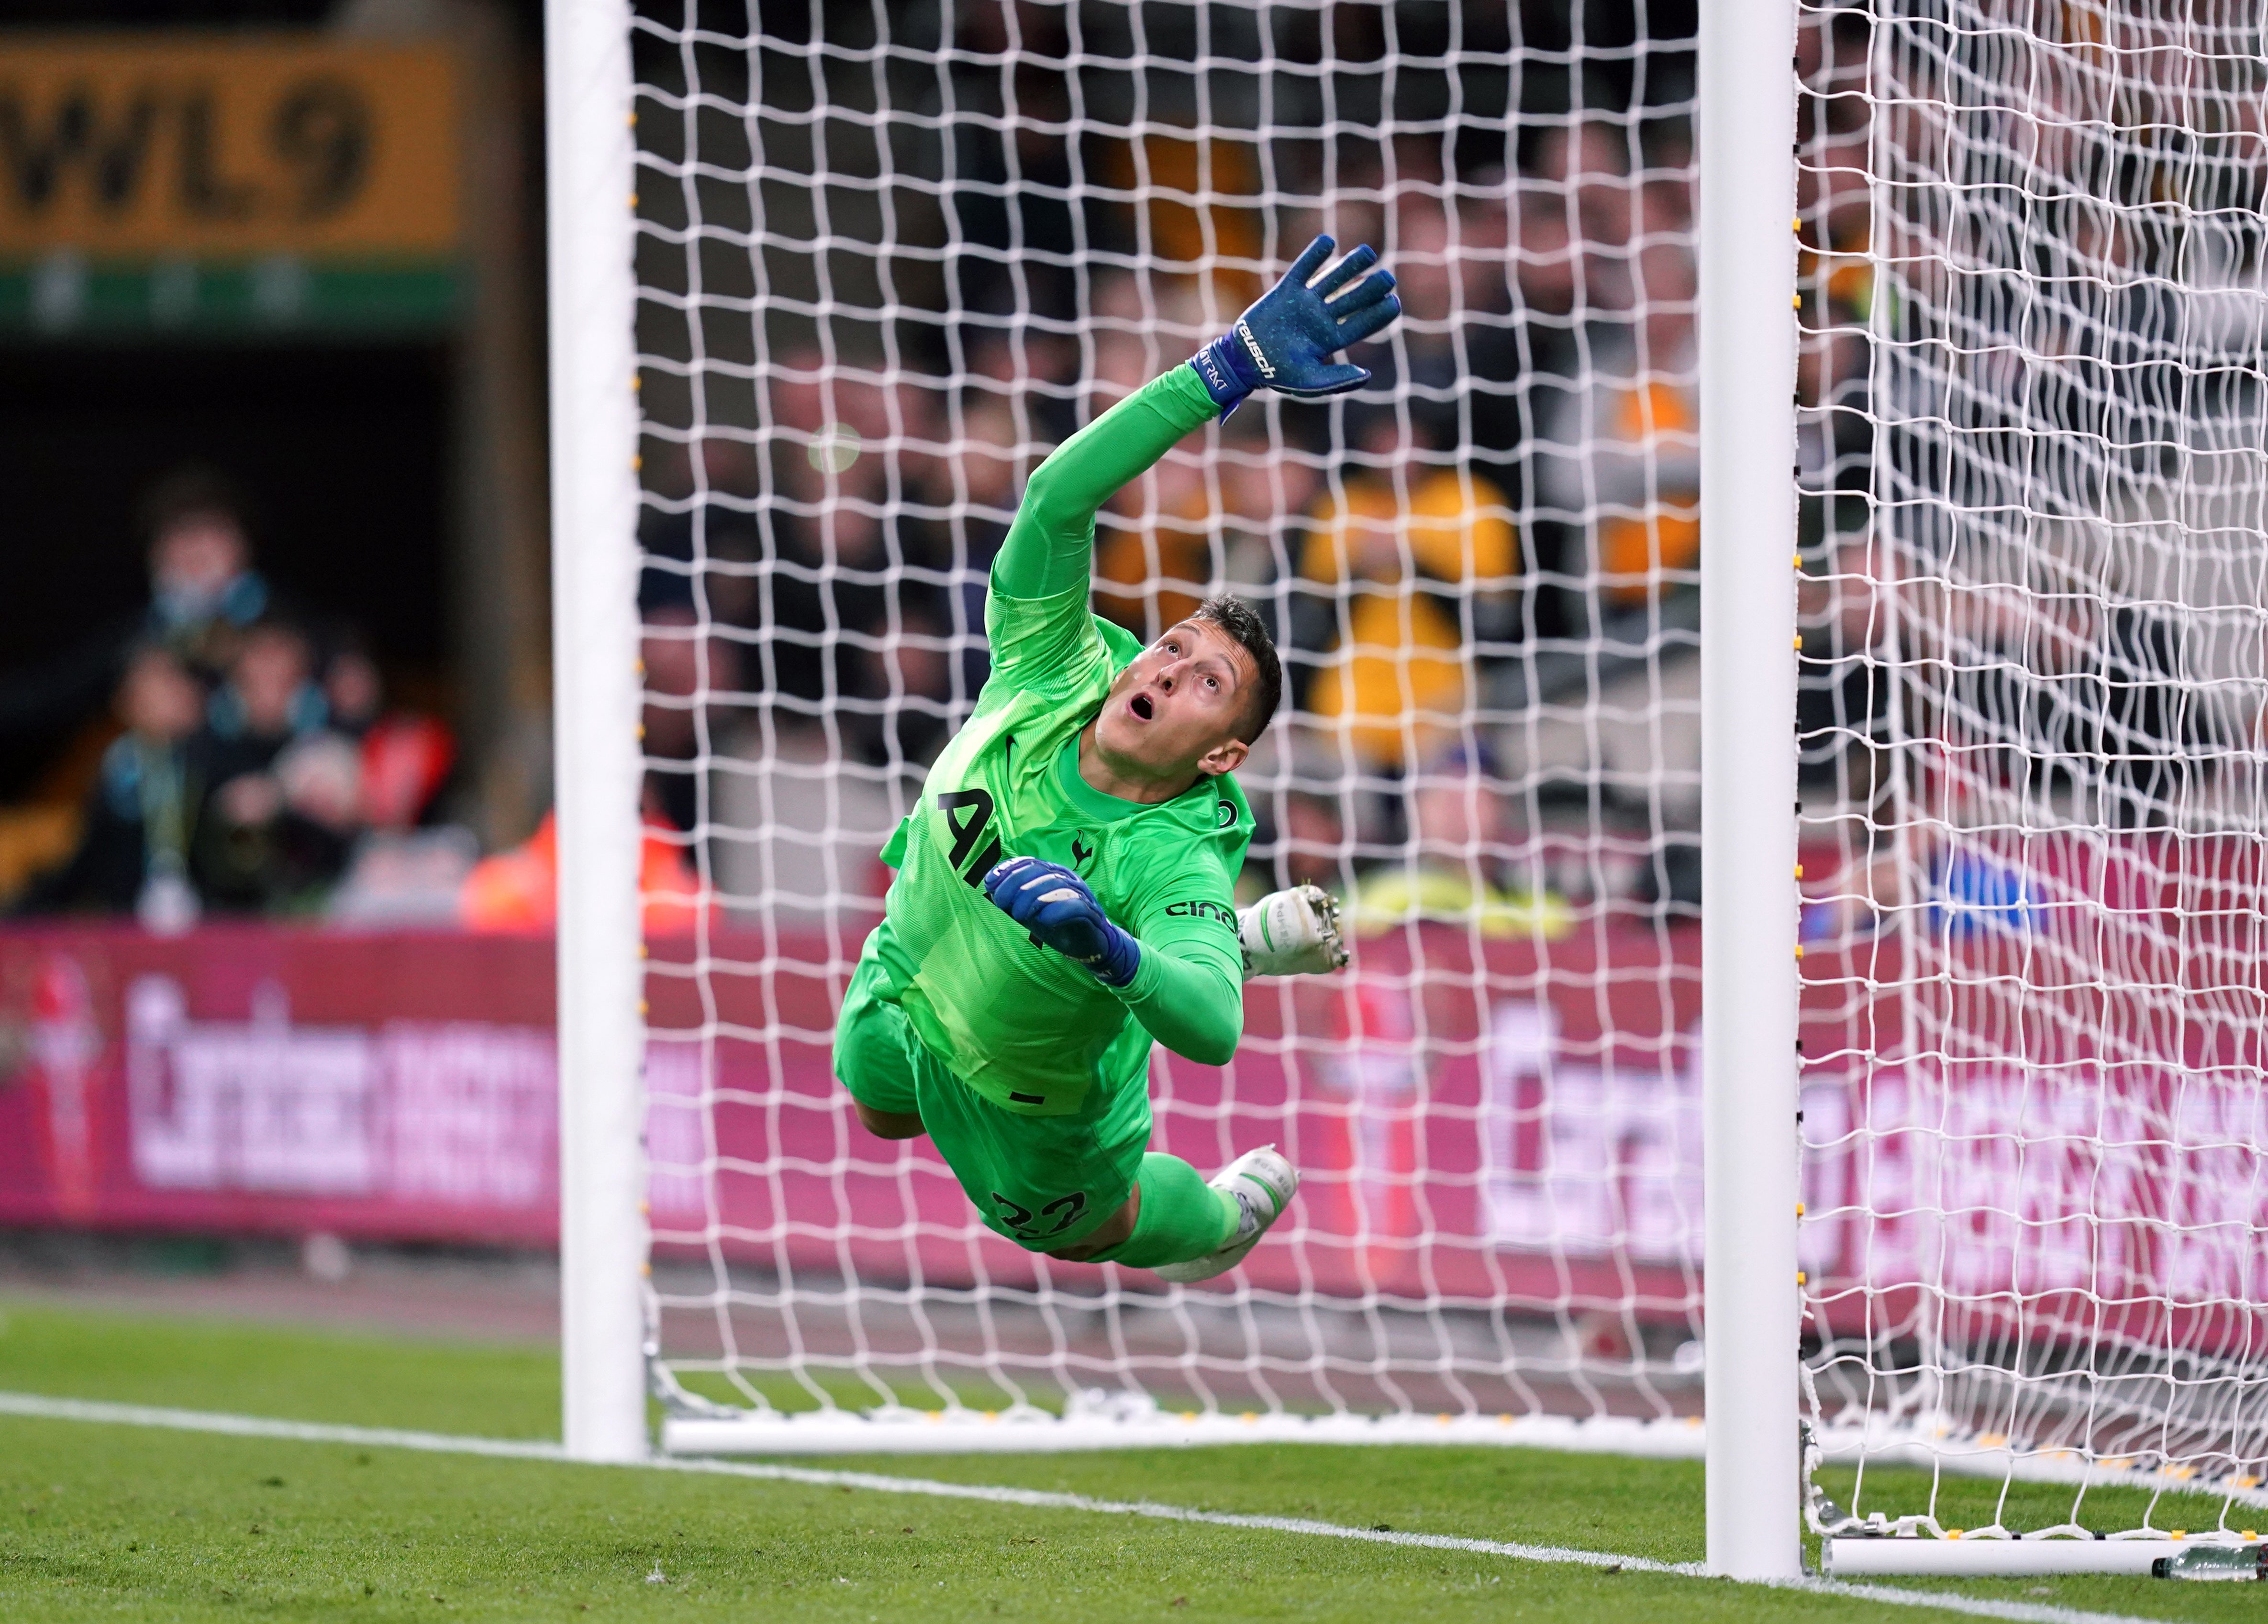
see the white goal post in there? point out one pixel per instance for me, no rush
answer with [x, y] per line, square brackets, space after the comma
[1972, 792]
[1747, 776]
[590, 181]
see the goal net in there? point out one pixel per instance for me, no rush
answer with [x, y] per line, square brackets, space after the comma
[887, 257]
[2034, 865]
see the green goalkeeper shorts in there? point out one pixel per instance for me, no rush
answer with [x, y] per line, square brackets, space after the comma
[1042, 1181]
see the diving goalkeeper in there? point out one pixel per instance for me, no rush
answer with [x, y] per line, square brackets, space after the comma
[1064, 894]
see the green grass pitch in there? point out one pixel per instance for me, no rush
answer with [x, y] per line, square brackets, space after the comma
[130, 1524]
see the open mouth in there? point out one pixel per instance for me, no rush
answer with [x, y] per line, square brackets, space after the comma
[1140, 706]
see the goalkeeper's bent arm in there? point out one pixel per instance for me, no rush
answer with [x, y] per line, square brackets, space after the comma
[1185, 989]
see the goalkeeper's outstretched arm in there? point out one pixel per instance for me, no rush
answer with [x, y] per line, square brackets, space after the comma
[1182, 984]
[1051, 546]
[1284, 342]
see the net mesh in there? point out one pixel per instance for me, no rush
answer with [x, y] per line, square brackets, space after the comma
[887, 257]
[2030, 731]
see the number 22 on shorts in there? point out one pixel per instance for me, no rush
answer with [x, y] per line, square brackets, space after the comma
[1065, 1210]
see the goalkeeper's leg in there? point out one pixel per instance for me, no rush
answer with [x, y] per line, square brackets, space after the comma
[874, 1062]
[1033, 1178]
[1171, 1216]
[1086, 1189]
[1187, 1228]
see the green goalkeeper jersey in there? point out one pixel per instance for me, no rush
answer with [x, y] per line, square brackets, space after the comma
[1029, 1029]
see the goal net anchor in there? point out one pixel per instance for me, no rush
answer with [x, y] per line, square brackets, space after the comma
[2003, 1556]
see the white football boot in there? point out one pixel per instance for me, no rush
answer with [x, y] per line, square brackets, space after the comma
[1293, 932]
[1261, 1182]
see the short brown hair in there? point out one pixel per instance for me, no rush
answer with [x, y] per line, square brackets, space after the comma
[191, 491]
[1237, 618]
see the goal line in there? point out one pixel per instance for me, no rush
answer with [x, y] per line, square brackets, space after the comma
[42, 1406]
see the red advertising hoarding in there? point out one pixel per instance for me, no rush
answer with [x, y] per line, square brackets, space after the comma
[1474, 1120]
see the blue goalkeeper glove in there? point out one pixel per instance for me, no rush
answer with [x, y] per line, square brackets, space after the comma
[1286, 341]
[1055, 905]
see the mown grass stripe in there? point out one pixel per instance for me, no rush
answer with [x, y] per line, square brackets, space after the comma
[99, 1412]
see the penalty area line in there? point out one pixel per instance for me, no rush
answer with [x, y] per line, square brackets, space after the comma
[38, 1406]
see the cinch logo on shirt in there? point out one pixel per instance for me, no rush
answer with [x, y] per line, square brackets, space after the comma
[1203, 910]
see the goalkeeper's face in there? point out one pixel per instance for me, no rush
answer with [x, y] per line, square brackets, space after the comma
[1176, 711]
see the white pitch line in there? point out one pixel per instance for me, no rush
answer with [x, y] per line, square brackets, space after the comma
[38, 1406]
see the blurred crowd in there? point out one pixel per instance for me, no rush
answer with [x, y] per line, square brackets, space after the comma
[1481, 568]
[238, 752]
[1522, 473]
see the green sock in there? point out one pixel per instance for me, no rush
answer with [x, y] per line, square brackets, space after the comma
[1182, 1217]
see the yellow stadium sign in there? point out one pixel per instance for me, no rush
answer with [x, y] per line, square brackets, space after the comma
[199, 146]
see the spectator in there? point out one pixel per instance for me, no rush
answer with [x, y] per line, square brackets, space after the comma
[1459, 869]
[707, 552]
[1620, 452]
[204, 593]
[1462, 360]
[354, 694]
[691, 677]
[1843, 688]
[2118, 720]
[1581, 173]
[1548, 274]
[1835, 429]
[1311, 843]
[1260, 488]
[141, 820]
[1122, 331]
[1389, 571]
[978, 488]
[519, 890]
[406, 762]
[403, 760]
[906, 685]
[404, 870]
[269, 698]
[286, 796]
[847, 536]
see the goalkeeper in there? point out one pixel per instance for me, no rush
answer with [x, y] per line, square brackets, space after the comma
[1064, 894]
